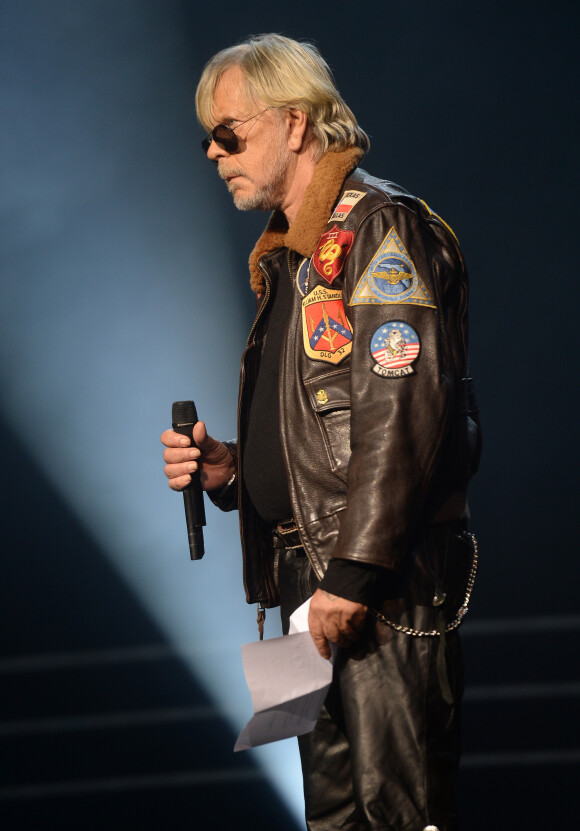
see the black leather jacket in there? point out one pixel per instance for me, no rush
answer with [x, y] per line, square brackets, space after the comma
[378, 447]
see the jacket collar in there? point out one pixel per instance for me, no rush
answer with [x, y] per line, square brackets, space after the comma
[319, 199]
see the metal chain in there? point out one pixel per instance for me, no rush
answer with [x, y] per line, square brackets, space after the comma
[461, 612]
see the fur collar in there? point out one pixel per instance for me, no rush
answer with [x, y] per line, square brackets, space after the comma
[313, 215]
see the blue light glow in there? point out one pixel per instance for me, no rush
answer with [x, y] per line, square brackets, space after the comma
[120, 295]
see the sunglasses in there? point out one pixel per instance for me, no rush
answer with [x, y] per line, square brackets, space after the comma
[225, 136]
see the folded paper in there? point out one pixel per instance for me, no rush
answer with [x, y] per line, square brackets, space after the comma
[288, 680]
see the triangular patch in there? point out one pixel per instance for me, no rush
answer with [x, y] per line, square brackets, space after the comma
[391, 278]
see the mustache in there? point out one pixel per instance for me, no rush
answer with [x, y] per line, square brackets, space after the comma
[226, 174]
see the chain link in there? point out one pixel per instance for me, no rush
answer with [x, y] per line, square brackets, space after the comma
[461, 612]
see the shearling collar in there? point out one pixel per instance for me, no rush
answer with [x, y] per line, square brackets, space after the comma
[305, 231]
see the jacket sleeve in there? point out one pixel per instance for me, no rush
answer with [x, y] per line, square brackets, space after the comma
[408, 337]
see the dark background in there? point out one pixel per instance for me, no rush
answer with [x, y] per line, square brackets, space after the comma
[471, 107]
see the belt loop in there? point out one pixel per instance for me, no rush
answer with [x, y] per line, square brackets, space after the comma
[286, 535]
[286, 527]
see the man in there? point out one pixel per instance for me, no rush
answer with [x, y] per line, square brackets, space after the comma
[357, 434]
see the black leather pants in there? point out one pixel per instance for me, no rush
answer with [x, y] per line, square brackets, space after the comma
[385, 750]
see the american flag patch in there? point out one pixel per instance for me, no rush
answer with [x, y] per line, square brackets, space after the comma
[394, 346]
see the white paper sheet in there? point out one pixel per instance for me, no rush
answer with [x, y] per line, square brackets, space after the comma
[288, 680]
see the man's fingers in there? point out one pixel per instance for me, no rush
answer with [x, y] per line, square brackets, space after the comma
[176, 471]
[332, 634]
[358, 623]
[335, 620]
[321, 643]
[200, 435]
[172, 439]
[179, 482]
[175, 455]
[347, 636]
[214, 452]
[343, 635]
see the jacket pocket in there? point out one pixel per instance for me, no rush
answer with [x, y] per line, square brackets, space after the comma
[329, 396]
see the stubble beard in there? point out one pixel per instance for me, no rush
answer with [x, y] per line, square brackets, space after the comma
[270, 193]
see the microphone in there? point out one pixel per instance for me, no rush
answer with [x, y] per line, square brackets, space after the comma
[183, 417]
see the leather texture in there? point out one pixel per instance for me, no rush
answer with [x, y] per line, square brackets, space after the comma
[378, 468]
[371, 468]
[385, 750]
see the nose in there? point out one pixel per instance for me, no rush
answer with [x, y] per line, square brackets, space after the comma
[215, 152]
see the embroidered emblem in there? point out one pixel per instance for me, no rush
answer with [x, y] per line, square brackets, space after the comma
[326, 331]
[345, 204]
[391, 277]
[394, 347]
[322, 397]
[302, 277]
[333, 246]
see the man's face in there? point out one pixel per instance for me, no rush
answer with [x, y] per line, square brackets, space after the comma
[257, 173]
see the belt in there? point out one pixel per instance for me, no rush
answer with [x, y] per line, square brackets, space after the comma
[286, 535]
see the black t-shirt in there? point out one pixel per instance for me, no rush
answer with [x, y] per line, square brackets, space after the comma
[263, 464]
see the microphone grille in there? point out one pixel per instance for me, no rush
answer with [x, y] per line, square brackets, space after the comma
[183, 412]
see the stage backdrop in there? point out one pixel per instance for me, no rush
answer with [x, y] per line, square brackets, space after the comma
[125, 287]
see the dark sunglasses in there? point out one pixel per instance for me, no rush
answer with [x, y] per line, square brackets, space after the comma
[225, 136]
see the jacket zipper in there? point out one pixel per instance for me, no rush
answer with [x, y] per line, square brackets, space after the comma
[264, 302]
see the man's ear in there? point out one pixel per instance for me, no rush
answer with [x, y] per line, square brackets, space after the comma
[296, 129]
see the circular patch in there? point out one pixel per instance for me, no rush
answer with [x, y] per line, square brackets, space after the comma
[394, 346]
[302, 277]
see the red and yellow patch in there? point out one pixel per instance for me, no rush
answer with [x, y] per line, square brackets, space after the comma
[331, 251]
[326, 331]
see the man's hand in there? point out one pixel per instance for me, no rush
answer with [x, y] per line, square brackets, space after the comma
[182, 459]
[333, 619]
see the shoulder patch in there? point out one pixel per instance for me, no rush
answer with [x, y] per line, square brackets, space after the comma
[332, 248]
[345, 204]
[326, 332]
[391, 277]
[394, 346]
[302, 276]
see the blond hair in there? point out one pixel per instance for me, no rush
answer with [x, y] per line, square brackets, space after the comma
[284, 73]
